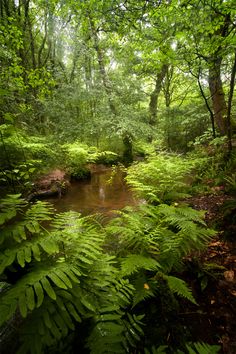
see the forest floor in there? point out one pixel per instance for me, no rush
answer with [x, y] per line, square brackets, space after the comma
[216, 319]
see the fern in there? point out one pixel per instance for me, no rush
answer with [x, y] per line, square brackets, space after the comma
[27, 251]
[160, 350]
[179, 287]
[160, 178]
[10, 206]
[160, 236]
[133, 262]
[63, 278]
[164, 232]
[203, 348]
[144, 288]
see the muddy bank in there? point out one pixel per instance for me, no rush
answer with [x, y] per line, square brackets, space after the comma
[53, 184]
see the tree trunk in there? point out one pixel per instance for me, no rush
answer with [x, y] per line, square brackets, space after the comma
[155, 94]
[231, 93]
[217, 95]
[128, 148]
[101, 65]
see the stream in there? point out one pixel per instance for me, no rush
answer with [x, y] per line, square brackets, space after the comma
[96, 195]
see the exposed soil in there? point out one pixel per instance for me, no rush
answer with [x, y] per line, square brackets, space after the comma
[54, 183]
[215, 321]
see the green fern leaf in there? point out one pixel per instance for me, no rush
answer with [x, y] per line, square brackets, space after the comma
[6, 259]
[32, 227]
[23, 305]
[54, 329]
[30, 298]
[36, 252]
[48, 288]
[60, 273]
[87, 304]
[27, 254]
[143, 288]
[67, 319]
[71, 275]
[57, 281]
[203, 348]
[21, 231]
[75, 271]
[180, 287]
[73, 312]
[61, 324]
[46, 318]
[49, 246]
[21, 258]
[39, 293]
[132, 263]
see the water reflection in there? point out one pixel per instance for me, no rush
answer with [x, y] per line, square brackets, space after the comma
[96, 195]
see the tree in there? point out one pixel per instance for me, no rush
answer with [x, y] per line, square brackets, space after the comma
[208, 43]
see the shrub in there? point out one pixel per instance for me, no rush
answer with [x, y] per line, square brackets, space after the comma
[76, 159]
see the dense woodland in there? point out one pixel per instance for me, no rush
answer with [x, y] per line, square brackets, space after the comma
[146, 86]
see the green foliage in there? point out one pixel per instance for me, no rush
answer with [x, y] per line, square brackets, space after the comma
[59, 277]
[159, 350]
[78, 156]
[213, 168]
[164, 233]
[179, 287]
[107, 158]
[181, 125]
[23, 156]
[203, 348]
[133, 262]
[160, 178]
[143, 149]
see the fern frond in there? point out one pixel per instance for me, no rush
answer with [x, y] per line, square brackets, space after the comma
[203, 348]
[31, 224]
[176, 215]
[9, 207]
[28, 250]
[40, 211]
[124, 292]
[29, 292]
[166, 233]
[160, 177]
[115, 333]
[160, 350]
[133, 262]
[179, 287]
[143, 288]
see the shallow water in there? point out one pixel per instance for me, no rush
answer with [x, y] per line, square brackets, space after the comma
[96, 195]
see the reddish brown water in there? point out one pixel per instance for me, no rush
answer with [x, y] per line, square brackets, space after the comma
[96, 195]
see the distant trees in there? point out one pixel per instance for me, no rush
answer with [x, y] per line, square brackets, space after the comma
[106, 72]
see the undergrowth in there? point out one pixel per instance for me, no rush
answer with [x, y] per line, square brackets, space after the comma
[57, 281]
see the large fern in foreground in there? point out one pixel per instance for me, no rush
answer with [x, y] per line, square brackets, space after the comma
[155, 239]
[152, 244]
[58, 277]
